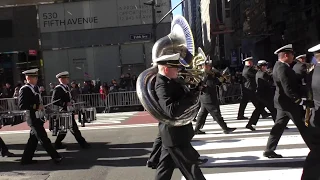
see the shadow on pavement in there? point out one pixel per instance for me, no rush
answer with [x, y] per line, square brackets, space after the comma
[100, 154]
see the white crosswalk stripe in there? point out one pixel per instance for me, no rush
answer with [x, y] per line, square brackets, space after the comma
[111, 118]
[242, 150]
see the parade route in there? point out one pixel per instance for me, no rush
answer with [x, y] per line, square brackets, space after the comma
[120, 151]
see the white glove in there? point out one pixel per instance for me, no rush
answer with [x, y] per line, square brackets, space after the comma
[302, 101]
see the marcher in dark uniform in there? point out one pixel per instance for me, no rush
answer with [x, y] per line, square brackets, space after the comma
[287, 101]
[248, 89]
[4, 149]
[62, 93]
[312, 163]
[177, 150]
[209, 100]
[29, 99]
[300, 68]
[265, 94]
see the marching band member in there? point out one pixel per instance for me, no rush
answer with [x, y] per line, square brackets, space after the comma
[4, 149]
[249, 88]
[265, 94]
[300, 68]
[287, 101]
[209, 101]
[312, 163]
[29, 99]
[177, 150]
[62, 93]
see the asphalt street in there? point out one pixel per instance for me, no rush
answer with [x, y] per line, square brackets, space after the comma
[121, 153]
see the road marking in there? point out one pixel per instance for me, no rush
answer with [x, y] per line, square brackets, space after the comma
[285, 174]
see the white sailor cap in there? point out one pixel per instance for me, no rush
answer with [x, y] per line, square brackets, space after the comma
[247, 59]
[286, 48]
[169, 60]
[262, 62]
[301, 56]
[315, 49]
[64, 74]
[31, 72]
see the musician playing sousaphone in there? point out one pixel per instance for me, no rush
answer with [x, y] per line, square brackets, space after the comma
[174, 102]
[312, 163]
[62, 93]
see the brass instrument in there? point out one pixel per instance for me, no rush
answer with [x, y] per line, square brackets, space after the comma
[180, 40]
[310, 68]
[193, 76]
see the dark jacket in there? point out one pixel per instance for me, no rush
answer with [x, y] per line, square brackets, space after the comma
[264, 83]
[315, 118]
[249, 77]
[209, 92]
[301, 71]
[29, 101]
[174, 101]
[287, 89]
[61, 93]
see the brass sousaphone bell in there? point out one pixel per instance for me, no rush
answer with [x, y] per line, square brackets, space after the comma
[180, 40]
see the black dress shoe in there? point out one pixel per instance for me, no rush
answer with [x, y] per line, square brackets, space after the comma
[58, 160]
[85, 145]
[229, 130]
[202, 161]
[151, 165]
[60, 146]
[271, 154]
[241, 118]
[199, 132]
[7, 154]
[264, 116]
[29, 162]
[250, 127]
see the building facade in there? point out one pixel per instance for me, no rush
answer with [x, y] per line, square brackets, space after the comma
[94, 39]
[192, 12]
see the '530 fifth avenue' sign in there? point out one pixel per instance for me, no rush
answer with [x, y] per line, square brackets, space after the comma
[98, 14]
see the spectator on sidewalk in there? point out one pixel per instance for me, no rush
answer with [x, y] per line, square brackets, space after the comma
[16, 90]
[75, 91]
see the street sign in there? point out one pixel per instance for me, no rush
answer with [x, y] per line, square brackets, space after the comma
[137, 37]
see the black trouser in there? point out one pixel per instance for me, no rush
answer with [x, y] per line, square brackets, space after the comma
[75, 131]
[38, 134]
[3, 147]
[262, 103]
[312, 166]
[283, 117]
[248, 95]
[214, 110]
[183, 157]
[156, 150]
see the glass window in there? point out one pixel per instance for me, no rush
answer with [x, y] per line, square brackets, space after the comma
[227, 3]
[227, 13]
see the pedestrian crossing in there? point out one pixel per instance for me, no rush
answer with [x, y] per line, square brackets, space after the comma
[111, 118]
[241, 152]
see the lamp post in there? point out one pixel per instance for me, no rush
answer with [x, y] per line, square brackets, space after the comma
[154, 4]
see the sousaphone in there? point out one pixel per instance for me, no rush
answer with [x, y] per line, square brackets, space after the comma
[180, 40]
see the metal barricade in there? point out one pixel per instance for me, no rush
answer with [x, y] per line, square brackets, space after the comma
[229, 93]
[122, 99]
[8, 104]
[112, 100]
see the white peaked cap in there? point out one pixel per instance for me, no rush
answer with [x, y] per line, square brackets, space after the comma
[284, 49]
[63, 74]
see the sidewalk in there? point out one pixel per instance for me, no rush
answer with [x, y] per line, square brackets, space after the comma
[103, 119]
